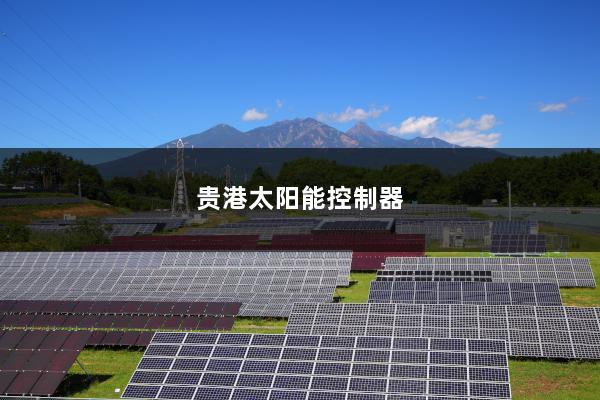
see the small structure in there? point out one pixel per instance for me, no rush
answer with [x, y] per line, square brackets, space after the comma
[490, 203]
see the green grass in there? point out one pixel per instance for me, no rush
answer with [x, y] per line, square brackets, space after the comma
[584, 297]
[530, 379]
[259, 325]
[30, 213]
[554, 380]
[108, 369]
[578, 241]
[358, 291]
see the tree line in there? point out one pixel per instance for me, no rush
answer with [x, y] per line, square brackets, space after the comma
[570, 179]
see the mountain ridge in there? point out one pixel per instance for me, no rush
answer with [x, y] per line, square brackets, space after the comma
[306, 133]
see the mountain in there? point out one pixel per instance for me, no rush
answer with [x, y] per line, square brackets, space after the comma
[298, 133]
[305, 133]
[368, 137]
[431, 143]
[221, 135]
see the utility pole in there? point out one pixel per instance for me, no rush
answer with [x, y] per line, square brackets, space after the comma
[79, 187]
[509, 202]
[179, 204]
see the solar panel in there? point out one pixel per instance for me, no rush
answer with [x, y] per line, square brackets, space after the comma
[273, 222]
[355, 225]
[518, 244]
[264, 232]
[485, 293]
[340, 260]
[567, 272]
[34, 362]
[407, 209]
[47, 384]
[48, 228]
[244, 366]
[356, 241]
[131, 229]
[433, 229]
[163, 222]
[263, 291]
[530, 331]
[23, 382]
[514, 227]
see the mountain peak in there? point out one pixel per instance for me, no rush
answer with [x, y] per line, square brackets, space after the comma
[361, 128]
[223, 126]
[306, 133]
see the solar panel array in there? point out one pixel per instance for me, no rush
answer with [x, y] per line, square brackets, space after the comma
[273, 222]
[117, 226]
[485, 293]
[35, 362]
[434, 229]
[434, 217]
[356, 225]
[48, 227]
[180, 243]
[119, 338]
[530, 331]
[436, 276]
[52, 225]
[39, 201]
[456, 209]
[340, 260]
[164, 222]
[512, 243]
[131, 229]
[263, 232]
[503, 227]
[264, 367]
[355, 241]
[567, 272]
[264, 291]
[117, 315]
[407, 208]
[374, 260]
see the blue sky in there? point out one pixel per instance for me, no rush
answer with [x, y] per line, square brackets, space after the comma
[133, 73]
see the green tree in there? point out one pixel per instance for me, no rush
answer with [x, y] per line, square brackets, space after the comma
[14, 233]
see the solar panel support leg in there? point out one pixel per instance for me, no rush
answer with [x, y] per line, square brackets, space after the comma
[83, 368]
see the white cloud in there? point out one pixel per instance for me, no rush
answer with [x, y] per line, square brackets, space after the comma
[480, 98]
[552, 107]
[253, 114]
[558, 107]
[279, 103]
[484, 123]
[471, 138]
[353, 114]
[424, 125]
[467, 133]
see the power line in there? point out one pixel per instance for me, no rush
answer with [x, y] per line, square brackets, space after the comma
[52, 96]
[64, 86]
[59, 56]
[22, 134]
[36, 117]
[48, 111]
[84, 51]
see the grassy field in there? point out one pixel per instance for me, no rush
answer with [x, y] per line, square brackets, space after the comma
[530, 379]
[358, 291]
[108, 369]
[27, 214]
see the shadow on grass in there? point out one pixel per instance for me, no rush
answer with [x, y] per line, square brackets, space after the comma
[75, 383]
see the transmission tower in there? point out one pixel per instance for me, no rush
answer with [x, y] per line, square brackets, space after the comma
[179, 204]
